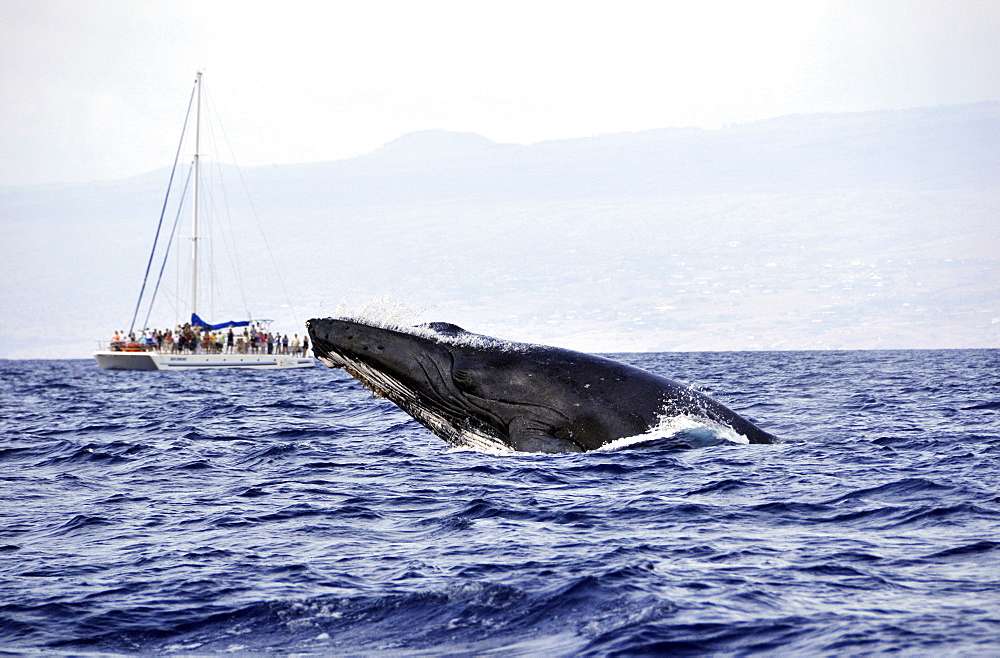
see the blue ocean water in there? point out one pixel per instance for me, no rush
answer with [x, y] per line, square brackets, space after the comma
[290, 511]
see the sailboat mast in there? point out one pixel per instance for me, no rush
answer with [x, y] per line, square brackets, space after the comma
[194, 212]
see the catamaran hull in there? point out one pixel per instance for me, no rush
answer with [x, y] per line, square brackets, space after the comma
[108, 360]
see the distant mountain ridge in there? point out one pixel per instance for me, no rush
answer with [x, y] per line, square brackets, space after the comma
[912, 149]
[872, 229]
[433, 145]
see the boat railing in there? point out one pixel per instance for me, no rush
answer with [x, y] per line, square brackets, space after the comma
[212, 348]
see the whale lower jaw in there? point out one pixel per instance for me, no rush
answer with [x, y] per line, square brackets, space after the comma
[388, 387]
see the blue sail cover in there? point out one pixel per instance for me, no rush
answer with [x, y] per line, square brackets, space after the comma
[198, 322]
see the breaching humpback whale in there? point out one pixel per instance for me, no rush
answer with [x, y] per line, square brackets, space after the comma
[477, 391]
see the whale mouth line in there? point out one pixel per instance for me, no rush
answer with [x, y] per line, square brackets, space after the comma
[374, 380]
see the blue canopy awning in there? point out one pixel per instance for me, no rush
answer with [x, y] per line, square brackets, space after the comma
[198, 322]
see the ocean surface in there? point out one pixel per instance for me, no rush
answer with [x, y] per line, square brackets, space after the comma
[214, 512]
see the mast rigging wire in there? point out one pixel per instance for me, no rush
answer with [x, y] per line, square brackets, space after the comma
[253, 212]
[163, 211]
[166, 254]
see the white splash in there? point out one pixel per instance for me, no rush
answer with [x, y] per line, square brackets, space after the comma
[385, 312]
[695, 431]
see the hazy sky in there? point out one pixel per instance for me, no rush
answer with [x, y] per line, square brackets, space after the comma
[95, 90]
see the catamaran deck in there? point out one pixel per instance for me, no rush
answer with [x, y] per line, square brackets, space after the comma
[157, 360]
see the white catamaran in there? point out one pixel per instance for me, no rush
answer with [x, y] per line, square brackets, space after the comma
[198, 344]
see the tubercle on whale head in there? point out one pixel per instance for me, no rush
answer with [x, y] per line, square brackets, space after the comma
[347, 328]
[347, 336]
[381, 358]
[445, 334]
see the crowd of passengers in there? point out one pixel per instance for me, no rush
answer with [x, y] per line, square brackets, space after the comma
[190, 339]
